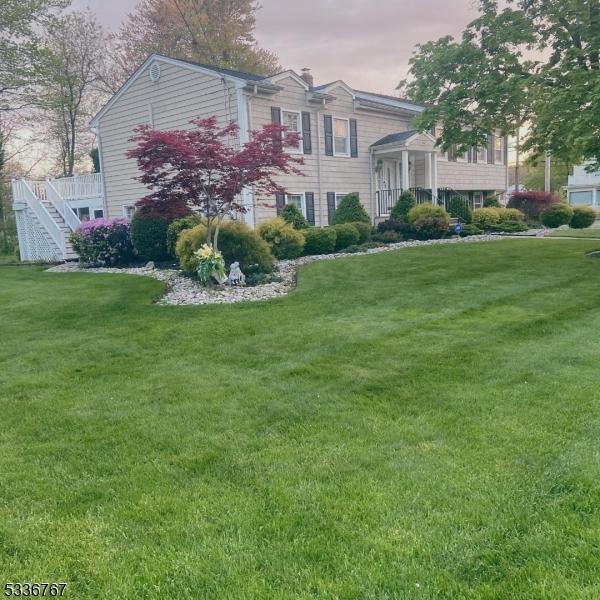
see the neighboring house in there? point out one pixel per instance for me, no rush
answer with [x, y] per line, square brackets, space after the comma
[352, 141]
[584, 187]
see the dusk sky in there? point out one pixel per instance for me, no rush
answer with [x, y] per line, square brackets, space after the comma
[367, 43]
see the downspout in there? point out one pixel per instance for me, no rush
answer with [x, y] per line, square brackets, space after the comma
[244, 127]
[319, 185]
[372, 198]
[96, 132]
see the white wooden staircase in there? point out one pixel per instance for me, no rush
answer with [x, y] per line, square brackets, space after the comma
[45, 217]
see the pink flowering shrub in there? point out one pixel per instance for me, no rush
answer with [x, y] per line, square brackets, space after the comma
[104, 242]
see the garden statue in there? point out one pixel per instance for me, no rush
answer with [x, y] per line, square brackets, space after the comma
[236, 277]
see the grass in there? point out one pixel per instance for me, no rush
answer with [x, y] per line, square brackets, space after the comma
[589, 233]
[416, 424]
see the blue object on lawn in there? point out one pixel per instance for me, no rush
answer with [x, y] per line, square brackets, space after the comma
[458, 228]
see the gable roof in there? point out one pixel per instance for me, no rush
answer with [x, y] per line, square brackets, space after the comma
[395, 138]
[231, 72]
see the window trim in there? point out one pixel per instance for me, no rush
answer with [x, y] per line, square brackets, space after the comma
[341, 195]
[485, 151]
[333, 120]
[124, 209]
[481, 196]
[583, 191]
[302, 201]
[300, 148]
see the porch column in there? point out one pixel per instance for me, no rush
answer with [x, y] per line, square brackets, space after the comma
[405, 174]
[433, 170]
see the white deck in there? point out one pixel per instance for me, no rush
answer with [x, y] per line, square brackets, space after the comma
[48, 211]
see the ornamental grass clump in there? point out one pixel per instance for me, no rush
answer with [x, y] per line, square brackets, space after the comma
[104, 242]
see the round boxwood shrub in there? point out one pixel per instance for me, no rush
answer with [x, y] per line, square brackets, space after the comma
[149, 237]
[387, 237]
[285, 241]
[365, 230]
[405, 202]
[556, 215]
[491, 202]
[583, 217]
[350, 210]
[427, 210]
[176, 227]
[485, 218]
[346, 235]
[320, 241]
[237, 242]
[290, 214]
[103, 242]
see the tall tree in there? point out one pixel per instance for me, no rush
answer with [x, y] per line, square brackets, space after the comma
[20, 48]
[216, 32]
[75, 48]
[487, 79]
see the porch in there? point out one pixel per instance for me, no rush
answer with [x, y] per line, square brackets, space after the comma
[47, 211]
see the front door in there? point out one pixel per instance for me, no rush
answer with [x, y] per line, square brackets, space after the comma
[388, 176]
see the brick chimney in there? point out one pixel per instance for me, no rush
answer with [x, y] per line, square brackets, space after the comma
[307, 76]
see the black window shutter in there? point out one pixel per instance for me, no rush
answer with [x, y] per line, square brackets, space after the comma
[506, 150]
[309, 199]
[353, 139]
[306, 137]
[328, 135]
[330, 206]
[279, 202]
[275, 114]
[491, 149]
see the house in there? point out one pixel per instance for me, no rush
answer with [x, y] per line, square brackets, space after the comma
[583, 187]
[352, 141]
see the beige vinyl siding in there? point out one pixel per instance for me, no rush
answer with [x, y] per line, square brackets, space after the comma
[471, 176]
[177, 97]
[338, 174]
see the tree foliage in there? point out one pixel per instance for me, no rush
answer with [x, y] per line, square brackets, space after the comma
[216, 32]
[487, 80]
[203, 168]
[74, 50]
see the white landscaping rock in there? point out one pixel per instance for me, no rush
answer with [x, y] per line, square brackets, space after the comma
[182, 290]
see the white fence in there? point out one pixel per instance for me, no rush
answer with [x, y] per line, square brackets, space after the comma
[79, 187]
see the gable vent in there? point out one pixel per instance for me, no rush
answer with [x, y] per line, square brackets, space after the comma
[154, 72]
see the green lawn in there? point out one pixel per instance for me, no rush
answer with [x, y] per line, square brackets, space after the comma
[416, 424]
[589, 233]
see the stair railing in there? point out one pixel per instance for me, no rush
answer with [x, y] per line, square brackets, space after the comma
[62, 206]
[27, 195]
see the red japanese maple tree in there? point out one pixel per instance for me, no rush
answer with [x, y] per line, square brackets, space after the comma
[205, 168]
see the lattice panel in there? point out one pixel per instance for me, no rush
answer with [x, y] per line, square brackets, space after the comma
[34, 243]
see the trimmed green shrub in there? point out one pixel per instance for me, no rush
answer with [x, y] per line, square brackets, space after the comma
[387, 237]
[405, 202]
[430, 228]
[583, 217]
[532, 204]
[176, 227]
[491, 202]
[350, 210]
[346, 235]
[285, 241]
[365, 231]
[427, 210]
[104, 242]
[508, 215]
[237, 242]
[556, 215]
[361, 247]
[320, 241]
[393, 225]
[292, 215]
[470, 229]
[149, 237]
[486, 218]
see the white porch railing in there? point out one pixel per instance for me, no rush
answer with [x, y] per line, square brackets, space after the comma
[62, 206]
[79, 187]
[24, 193]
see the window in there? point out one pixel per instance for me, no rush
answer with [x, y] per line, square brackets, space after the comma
[338, 198]
[293, 121]
[462, 157]
[583, 197]
[478, 200]
[82, 212]
[341, 137]
[98, 213]
[482, 154]
[499, 150]
[298, 201]
[128, 211]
